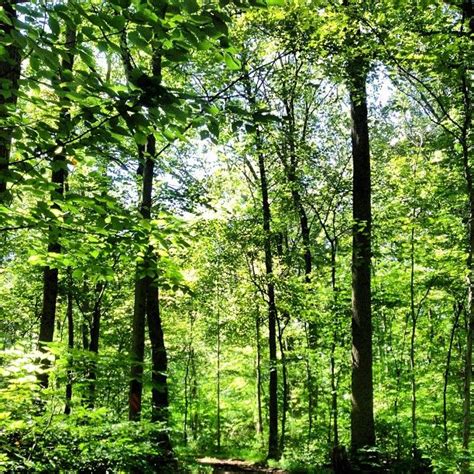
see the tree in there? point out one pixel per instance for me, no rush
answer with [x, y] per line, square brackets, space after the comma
[181, 172]
[58, 180]
[10, 67]
[362, 416]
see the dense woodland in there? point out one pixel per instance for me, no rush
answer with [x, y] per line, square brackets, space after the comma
[236, 228]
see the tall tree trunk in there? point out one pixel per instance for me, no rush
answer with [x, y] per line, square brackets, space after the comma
[412, 340]
[334, 411]
[94, 343]
[362, 414]
[258, 369]
[470, 312]
[289, 165]
[142, 283]
[58, 179]
[10, 67]
[312, 387]
[284, 372]
[466, 143]
[218, 377]
[457, 313]
[187, 381]
[194, 415]
[186, 397]
[70, 345]
[159, 365]
[137, 351]
[273, 451]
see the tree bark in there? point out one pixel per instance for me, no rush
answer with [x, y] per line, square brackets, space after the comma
[258, 369]
[94, 343]
[466, 143]
[457, 313]
[334, 408]
[70, 345]
[362, 416]
[218, 377]
[273, 448]
[412, 340]
[284, 373]
[466, 435]
[137, 351]
[273, 451]
[159, 364]
[10, 67]
[58, 178]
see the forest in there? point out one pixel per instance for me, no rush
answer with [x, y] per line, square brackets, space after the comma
[236, 236]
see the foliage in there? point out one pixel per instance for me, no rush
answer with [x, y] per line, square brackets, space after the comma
[225, 92]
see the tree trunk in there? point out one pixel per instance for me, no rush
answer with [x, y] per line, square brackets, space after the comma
[159, 364]
[466, 143]
[195, 420]
[258, 369]
[218, 377]
[70, 345]
[290, 172]
[334, 409]
[142, 282]
[58, 178]
[273, 451]
[412, 340]
[140, 305]
[470, 314]
[457, 313]
[362, 416]
[10, 67]
[284, 372]
[312, 407]
[94, 343]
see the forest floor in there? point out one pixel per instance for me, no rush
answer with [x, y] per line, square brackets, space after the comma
[224, 466]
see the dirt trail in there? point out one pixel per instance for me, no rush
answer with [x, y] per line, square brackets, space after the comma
[229, 466]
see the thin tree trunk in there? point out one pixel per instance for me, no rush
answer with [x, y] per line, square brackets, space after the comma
[333, 347]
[466, 139]
[186, 400]
[10, 67]
[189, 352]
[362, 414]
[58, 179]
[94, 343]
[258, 369]
[195, 419]
[470, 319]
[70, 345]
[284, 370]
[289, 166]
[309, 382]
[457, 313]
[412, 341]
[273, 451]
[218, 378]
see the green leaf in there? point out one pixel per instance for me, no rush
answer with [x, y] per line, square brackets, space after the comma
[117, 22]
[191, 6]
[54, 25]
[78, 273]
[232, 63]
[140, 138]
